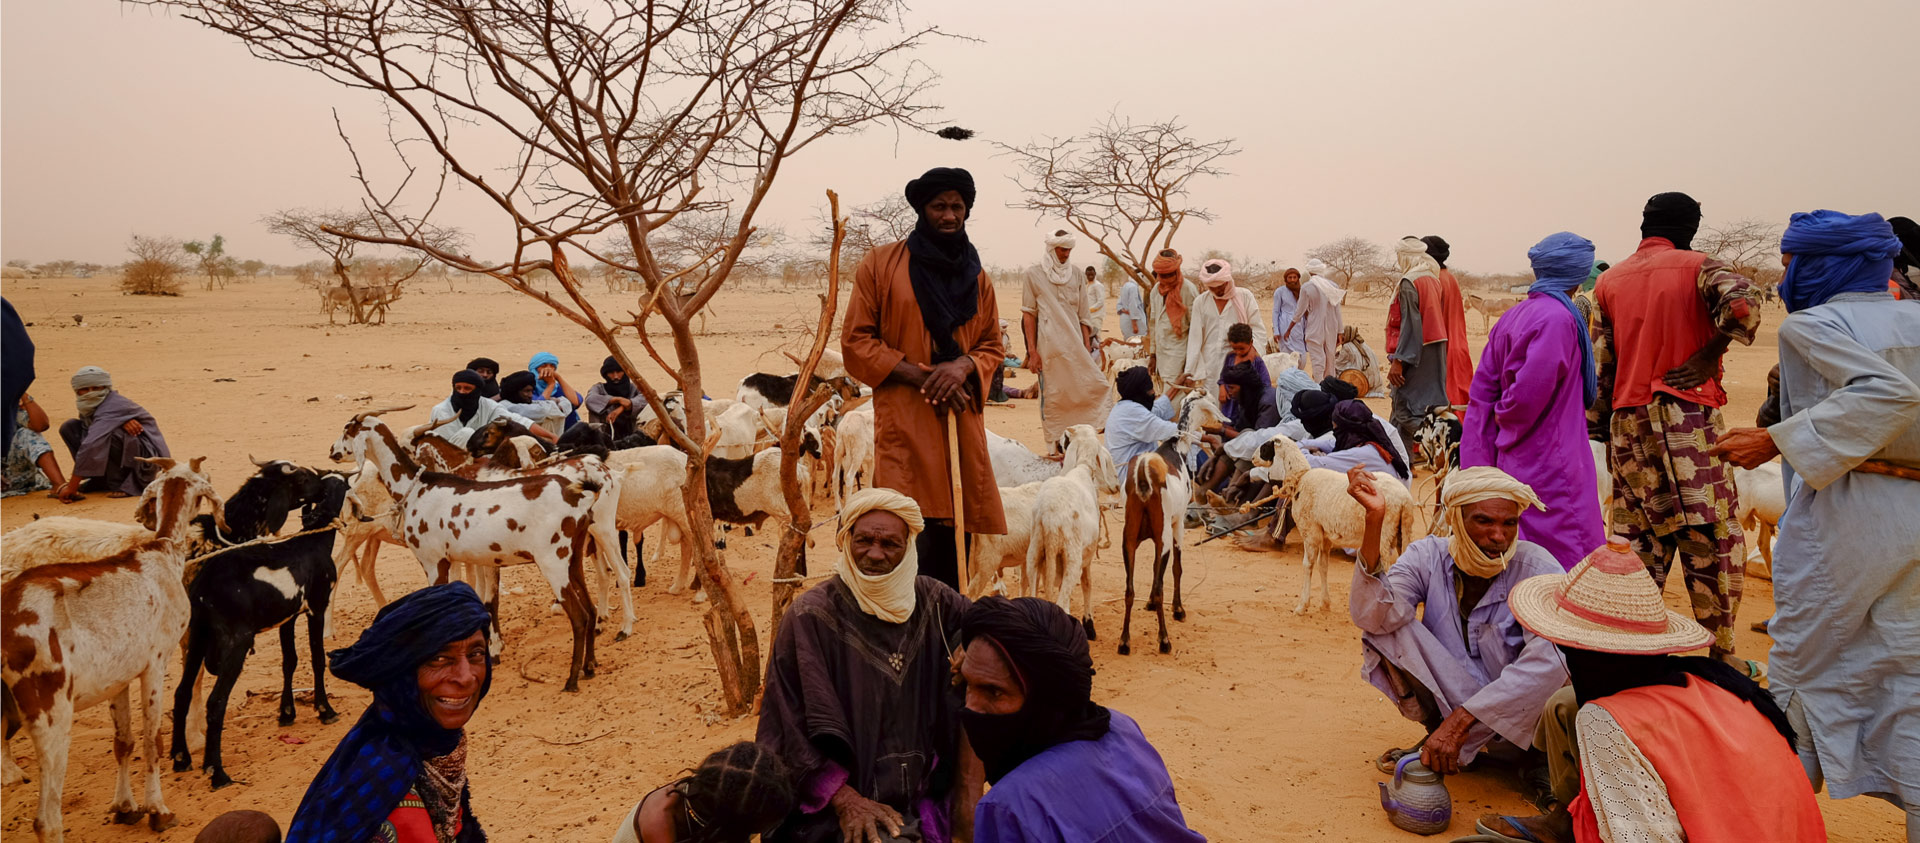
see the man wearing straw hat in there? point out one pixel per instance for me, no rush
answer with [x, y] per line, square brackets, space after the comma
[1670, 748]
[1463, 669]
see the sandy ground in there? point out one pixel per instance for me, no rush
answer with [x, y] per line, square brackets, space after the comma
[1261, 715]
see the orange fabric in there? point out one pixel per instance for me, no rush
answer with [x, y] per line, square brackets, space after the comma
[1729, 774]
[883, 327]
[1652, 300]
[1443, 316]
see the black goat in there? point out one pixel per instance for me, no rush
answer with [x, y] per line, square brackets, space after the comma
[488, 438]
[588, 438]
[258, 508]
[240, 592]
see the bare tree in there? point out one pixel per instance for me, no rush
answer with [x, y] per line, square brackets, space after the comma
[1749, 246]
[621, 115]
[340, 234]
[865, 228]
[155, 269]
[1349, 258]
[1122, 186]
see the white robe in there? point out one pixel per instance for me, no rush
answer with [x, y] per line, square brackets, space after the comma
[1207, 333]
[458, 432]
[1072, 389]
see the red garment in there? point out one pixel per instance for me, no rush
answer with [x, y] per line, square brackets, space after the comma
[410, 823]
[1443, 316]
[1730, 775]
[1652, 299]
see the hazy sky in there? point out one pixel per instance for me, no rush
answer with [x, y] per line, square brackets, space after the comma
[1490, 123]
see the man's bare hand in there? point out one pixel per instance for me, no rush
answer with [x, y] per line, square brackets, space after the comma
[862, 819]
[1747, 447]
[1360, 487]
[1033, 360]
[1703, 366]
[1397, 374]
[946, 384]
[1441, 752]
[133, 427]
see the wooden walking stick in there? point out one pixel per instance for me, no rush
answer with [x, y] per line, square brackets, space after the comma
[959, 501]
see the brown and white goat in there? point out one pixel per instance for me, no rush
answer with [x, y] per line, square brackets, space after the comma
[80, 632]
[1157, 489]
[544, 519]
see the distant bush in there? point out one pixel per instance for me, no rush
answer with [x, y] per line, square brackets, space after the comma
[155, 269]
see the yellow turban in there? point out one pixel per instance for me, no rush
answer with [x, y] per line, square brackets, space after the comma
[889, 596]
[1473, 485]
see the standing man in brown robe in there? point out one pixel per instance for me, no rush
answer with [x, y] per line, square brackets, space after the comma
[923, 330]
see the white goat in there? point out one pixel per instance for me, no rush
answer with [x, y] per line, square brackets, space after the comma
[78, 632]
[653, 484]
[993, 554]
[1328, 517]
[852, 454]
[1066, 530]
[1014, 464]
[1762, 496]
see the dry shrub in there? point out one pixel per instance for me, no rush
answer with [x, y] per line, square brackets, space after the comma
[155, 269]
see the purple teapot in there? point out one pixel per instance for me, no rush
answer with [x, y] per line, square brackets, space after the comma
[1417, 800]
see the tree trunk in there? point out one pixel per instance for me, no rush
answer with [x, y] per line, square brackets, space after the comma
[790, 563]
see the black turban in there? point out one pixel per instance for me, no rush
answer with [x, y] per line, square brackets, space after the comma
[1674, 216]
[1354, 426]
[486, 363]
[1314, 409]
[511, 385]
[1247, 406]
[623, 389]
[1136, 385]
[1047, 650]
[469, 403]
[1909, 233]
[939, 180]
[468, 376]
[1437, 248]
[1339, 389]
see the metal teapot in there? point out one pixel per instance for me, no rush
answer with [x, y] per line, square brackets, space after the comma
[1417, 800]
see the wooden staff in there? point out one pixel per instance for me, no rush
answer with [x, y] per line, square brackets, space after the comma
[959, 500]
[1888, 469]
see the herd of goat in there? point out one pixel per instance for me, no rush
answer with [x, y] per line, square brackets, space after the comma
[90, 606]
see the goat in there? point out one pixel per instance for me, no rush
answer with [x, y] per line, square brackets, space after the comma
[853, 454]
[1328, 517]
[1281, 361]
[1014, 464]
[379, 523]
[1066, 526]
[78, 632]
[545, 519]
[993, 554]
[1157, 489]
[653, 482]
[492, 436]
[246, 590]
[764, 391]
[1438, 438]
[1762, 496]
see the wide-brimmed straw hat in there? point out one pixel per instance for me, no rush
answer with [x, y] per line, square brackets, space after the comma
[1608, 603]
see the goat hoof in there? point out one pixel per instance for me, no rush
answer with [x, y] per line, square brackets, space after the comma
[618, 637]
[1126, 650]
[181, 763]
[572, 687]
[329, 716]
[1300, 609]
[161, 821]
[1088, 623]
[1153, 605]
[286, 717]
[1166, 647]
[221, 779]
[127, 816]
[1179, 614]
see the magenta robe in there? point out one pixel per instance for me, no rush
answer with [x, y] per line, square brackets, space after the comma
[1525, 417]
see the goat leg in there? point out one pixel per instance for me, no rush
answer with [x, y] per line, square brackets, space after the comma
[125, 810]
[1179, 609]
[317, 646]
[1159, 584]
[1129, 542]
[289, 661]
[183, 696]
[226, 670]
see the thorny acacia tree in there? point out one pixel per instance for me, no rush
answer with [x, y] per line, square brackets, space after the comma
[620, 115]
[339, 234]
[1122, 186]
[1349, 258]
[1750, 246]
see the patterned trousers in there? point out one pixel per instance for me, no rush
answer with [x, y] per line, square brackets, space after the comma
[1671, 498]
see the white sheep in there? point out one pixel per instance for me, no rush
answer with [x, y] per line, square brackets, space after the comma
[993, 554]
[1762, 494]
[1066, 530]
[1328, 517]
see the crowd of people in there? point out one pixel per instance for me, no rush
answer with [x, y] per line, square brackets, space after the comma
[1518, 634]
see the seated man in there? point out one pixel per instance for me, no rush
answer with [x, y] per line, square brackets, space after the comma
[1464, 669]
[1359, 438]
[470, 412]
[1669, 747]
[860, 702]
[108, 440]
[1063, 769]
[735, 794]
[517, 398]
[611, 402]
[1139, 421]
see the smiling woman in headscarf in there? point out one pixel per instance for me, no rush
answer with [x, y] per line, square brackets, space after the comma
[400, 773]
[1528, 411]
[922, 329]
[1062, 767]
[1844, 577]
[859, 702]
[1223, 305]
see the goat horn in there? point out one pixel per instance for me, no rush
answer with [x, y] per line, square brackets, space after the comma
[193, 465]
[257, 462]
[163, 463]
[796, 361]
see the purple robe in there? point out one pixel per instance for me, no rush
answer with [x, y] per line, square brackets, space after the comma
[1494, 668]
[1525, 417]
[1113, 790]
[96, 445]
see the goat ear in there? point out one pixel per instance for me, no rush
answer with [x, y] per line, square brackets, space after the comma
[193, 465]
[144, 513]
[162, 463]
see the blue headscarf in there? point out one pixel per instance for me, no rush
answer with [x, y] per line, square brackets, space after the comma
[1562, 262]
[1835, 253]
[380, 758]
[544, 358]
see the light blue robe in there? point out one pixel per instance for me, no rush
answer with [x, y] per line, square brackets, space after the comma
[1133, 430]
[1133, 311]
[1285, 302]
[1846, 574]
[458, 432]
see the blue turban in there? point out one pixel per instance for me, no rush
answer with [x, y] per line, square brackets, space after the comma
[1835, 253]
[1561, 262]
[377, 762]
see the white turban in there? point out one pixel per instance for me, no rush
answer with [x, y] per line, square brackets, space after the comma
[1316, 266]
[1414, 262]
[1216, 271]
[1055, 270]
[1473, 485]
[91, 376]
[889, 596]
[1062, 239]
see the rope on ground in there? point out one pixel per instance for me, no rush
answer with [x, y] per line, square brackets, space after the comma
[573, 743]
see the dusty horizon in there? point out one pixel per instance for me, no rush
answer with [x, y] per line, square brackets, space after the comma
[1492, 124]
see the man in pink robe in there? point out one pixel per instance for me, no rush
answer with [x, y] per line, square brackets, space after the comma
[1527, 407]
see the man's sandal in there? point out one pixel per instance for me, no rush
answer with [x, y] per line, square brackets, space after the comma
[1389, 759]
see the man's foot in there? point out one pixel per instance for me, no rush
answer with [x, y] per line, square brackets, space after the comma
[118, 494]
[1761, 627]
[1556, 827]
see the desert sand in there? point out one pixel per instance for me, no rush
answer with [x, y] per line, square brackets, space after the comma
[1261, 715]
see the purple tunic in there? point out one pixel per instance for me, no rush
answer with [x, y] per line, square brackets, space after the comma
[91, 460]
[1525, 417]
[1113, 790]
[1494, 667]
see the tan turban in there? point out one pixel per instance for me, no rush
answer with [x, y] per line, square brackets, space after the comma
[1169, 289]
[889, 596]
[1473, 485]
[1410, 254]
